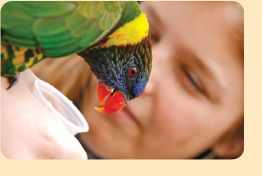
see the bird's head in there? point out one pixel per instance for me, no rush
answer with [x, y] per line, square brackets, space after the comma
[122, 63]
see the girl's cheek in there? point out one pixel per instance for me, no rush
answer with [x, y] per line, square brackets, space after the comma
[175, 120]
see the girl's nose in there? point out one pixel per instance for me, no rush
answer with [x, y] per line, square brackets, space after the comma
[152, 80]
[160, 55]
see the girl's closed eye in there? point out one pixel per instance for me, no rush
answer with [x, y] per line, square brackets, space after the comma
[193, 79]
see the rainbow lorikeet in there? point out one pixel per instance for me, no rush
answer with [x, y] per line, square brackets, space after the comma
[112, 37]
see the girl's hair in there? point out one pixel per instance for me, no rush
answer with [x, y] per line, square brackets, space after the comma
[237, 20]
[70, 75]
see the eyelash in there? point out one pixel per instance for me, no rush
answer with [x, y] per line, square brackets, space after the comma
[154, 37]
[193, 82]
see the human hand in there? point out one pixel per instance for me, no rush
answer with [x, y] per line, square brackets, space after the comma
[30, 130]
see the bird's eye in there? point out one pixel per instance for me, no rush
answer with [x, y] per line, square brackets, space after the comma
[132, 71]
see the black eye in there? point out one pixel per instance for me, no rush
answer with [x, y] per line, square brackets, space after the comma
[132, 71]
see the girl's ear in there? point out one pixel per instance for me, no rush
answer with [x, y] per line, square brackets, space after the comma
[231, 145]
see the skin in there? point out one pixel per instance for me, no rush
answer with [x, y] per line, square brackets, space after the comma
[28, 129]
[176, 117]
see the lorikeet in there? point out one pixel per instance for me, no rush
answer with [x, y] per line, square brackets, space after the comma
[112, 37]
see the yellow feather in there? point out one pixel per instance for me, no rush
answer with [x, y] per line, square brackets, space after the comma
[130, 33]
[4, 53]
[19, 60]
[19, 51]
[29, 63]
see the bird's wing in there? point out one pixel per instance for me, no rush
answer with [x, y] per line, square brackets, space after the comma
[57, 28]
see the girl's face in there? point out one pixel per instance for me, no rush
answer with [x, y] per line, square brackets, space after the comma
[195, 92]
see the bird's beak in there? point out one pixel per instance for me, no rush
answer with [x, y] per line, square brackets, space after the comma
[113, 100]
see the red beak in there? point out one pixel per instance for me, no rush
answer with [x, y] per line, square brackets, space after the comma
[113, 100]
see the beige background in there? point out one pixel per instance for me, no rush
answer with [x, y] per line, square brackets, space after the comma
[247, 164]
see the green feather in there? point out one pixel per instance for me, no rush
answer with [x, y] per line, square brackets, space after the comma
[49, 26]
[47, 9]
[20, 40]
[45, 4]
[131, 10]
[59, 43]
[54, 38]
[56, 24]
[112, 5]
[19, 32]
[61, 51]
[81, 30]
[22, 45]
[92, 33]
[59, 29]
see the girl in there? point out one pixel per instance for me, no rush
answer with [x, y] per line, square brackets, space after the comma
[193, 105]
